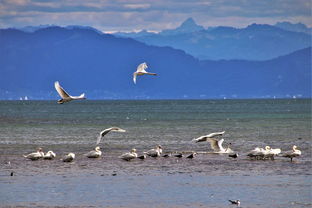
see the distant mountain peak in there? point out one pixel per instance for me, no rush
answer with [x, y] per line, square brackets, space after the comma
[188, 26]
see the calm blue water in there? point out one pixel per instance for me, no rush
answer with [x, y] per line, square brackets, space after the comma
[207, 180]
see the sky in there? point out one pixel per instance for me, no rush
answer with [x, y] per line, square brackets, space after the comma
[152, 15]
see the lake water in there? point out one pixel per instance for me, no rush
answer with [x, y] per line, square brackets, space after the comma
[208, 180]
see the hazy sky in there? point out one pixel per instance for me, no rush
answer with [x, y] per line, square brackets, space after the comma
[154, 15]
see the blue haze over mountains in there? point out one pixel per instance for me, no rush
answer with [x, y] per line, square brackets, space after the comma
[101, 65]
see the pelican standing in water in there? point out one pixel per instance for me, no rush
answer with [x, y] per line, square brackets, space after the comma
[154, 152]
[65, 96]
[292, 153]
[104, 132]
[35, 155]
[141, 71]
[96, 153]
[129, 155]
[49, 155]
[69, 157]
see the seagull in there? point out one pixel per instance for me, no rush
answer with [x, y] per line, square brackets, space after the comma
[129, 155]
[69, 157]
[65, 96]
[96, 153]
[206, 137]
[104, 132]
[49, 155]
[154, 152]
[141, 71]
[237, 202]
[292, 153]
[35, 155]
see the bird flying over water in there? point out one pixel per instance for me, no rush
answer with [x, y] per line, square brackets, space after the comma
[65, 96]
[106, 131]
[206, 137]
[141, 71]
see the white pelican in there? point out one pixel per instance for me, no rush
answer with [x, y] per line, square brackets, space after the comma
[104, 132]
[216, 145]
[35, 155]
[49, 155]
[129, 155]
[206, 137]
[260, 153]
[65, 96]
[141, 71]
[154, 152]
[94, 153]
[69, 157]
[292, 153]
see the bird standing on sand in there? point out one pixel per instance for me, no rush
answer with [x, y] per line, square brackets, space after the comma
[141, 71]
[154, 152]
[104, 132]
[96, 153]
[129, 155]
[35, 155]
[69, 157]
[192, 155]
[292, 153]
[49, 155]
[65, 96]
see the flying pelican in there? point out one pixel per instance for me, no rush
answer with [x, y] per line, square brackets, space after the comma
[69, 157]
[216, 145]
[49, 155]
[292, 153]
[154, 152]
[35, 155]
[129, 155]
[104, 132]
[206, 137]
[94, 153]
[65, 96]
[141, 71]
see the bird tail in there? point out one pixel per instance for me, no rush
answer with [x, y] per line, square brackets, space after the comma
[82, 96]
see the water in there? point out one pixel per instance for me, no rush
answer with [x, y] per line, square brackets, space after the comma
[207, 180]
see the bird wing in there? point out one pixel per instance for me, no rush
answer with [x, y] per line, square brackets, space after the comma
[201, 139]
[142, 67]
[215, 134]
[60, 90]
[214, 144]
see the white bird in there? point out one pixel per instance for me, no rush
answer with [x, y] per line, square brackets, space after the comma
[35, 155]
[154, 152]
[65, 96]
[275, 151]
[260, 153]
[94, 153]
[206, 137]
[216, 145]
[292, 153]
[129, 155]
[104, 132]
[69, 157]
[49, 155]
[141, 71]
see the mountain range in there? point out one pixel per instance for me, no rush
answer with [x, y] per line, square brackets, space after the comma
[101, 65]
[255, 42]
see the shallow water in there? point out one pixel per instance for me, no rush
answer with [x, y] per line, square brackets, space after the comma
[207, 180]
